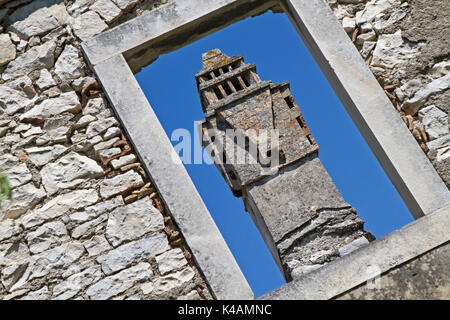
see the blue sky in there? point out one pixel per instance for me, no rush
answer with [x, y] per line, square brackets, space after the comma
[271, 42]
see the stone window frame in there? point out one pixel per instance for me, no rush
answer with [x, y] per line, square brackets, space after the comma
[116, 54]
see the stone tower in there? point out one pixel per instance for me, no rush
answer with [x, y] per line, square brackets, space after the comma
[291, 198]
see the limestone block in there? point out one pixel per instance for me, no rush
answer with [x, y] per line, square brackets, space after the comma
[40, 265]
[68, 172]
[97, 245]
[38, 17]
[408, 89]
[36, 58]
[105, 145]
[100, 126]
[8, 229]
[58, 135]
[133, 221]
[18, 175]
[66, 102]
[84, 121]
[88, 25]
[47, 235]
[136, 251]
[120, 184]
[40, 156]
[367, 48]
[440, 69]
[412, 105]
[32, 131]
[123, 161]
[435, 121]
[106, 9]
[59, 206]
[380, 24]
[125, 4]
[41, 294]
[24, 198]
[369, 36]
[68, 66]
[13, 252]
[171, 260]
[95, 210]
[82, 230]
[374, 8]
[348, 24]
[17, 95]
[94, 106]
[108, 153]
[7, 49]
[118, 283]
[75, 283]
[8, 161]
[173, 281]
[392, 51]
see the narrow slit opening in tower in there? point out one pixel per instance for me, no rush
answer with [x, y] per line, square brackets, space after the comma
[236, 84]
[218, 93]
[227, 88]
[290, 103]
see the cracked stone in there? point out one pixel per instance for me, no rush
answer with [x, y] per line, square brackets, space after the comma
[412, 105]
[68, 172]
[83, 230]
[17, 95]
[173, 281]
[118, 283]
[434, 121]
[58, 135]
[392, 51]
[59, 206]
[88, 25]
[95, 210]
[23, 199]
[7, 49]
[106, 9]
[120, 184]
[75, 283]
[123, 161]
[374, 8]
[38, 17]
[13, 252]
[36, 58]
[97, 245]
[100, 126]
[133, 221]
[8, 229]
[68, 66]
[41, 294]
[408, 89]
[171, 260]
[45, 80]
[348, 24]
[132, 252]
[47, 235]
[18, 175]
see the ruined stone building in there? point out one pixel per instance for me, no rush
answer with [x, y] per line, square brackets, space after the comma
[98, 212]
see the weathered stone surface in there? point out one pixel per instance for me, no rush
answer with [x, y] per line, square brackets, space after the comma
[108, 153]
[17, 95]
[136, 251]
[193, 295]
[75, 283]
[435, 121]
[42, 264]
[32, 131]
[123, 161]
[440, 69]
[7, 49]
[367, 48]
[173, 281]
[408, 89]
[105, 145]
[96, 245]
[393, 51]
[106, 9]
[58, 135]
[120, 184]
[36, 58]
[112, 132]
[82, 230]
[380, 24]
[59, 206]
[18, 175]
[8, 161]
[68, 66]
[100, 126]
[47, 235]
[125, 4]
[24, 198]
[374, 8]
[68, 172]
[300, 270]
[84, 121]
[8, 229]
[133, 221]
[95, 210]
[40, 156]
[38, 17]
[118, 283]
[171, 260]
[352, 246]
[88, 25]
[349, 24]
[66, 102]
[368, 36]
[41, 294]
[94, 106]
[13, 252]
[412, 105]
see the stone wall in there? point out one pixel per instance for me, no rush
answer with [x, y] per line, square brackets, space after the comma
[406, 45]
[85, 221]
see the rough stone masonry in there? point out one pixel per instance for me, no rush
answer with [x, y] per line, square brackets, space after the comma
[300, 213]
[75, 177]
[85, 221]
